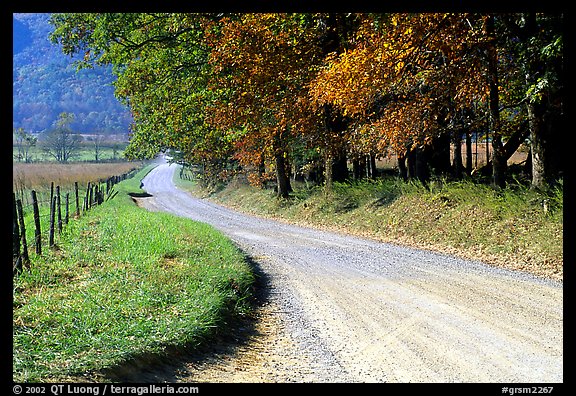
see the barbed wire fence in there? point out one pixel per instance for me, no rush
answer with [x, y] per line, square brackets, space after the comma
[59, 214]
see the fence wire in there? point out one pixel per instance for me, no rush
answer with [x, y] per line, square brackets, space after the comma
[79, 200]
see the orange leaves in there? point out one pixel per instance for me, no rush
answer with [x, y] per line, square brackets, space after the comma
[349, 81]
[262, 62]
[424, 64]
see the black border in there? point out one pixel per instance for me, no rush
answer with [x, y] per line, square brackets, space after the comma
[350, 6]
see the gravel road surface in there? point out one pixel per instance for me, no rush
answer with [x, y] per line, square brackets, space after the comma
[346, 309]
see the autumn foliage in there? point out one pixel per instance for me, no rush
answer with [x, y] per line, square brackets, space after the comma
[278, 93]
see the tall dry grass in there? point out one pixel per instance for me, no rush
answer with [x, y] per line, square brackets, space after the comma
[39, 175]
[478, 156]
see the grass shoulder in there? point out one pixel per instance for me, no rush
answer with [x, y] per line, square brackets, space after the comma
[514, 228]
[123, 282]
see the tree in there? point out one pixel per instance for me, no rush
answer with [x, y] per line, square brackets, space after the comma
[161, 61]
[536, 41]
[262, 91]
[499, 164]
[24, 141]
[262, 63]
[335, 36]
[97, 142]
[61, 143]
[406, 81]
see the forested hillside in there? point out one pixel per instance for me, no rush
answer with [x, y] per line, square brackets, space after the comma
[46, 83]
[278, 94]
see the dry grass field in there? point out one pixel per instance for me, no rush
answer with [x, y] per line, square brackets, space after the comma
[478, 157]
[39, 175]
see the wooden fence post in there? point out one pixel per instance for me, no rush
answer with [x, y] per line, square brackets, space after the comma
[89, 192]
[25, 258]
[16, 259]
[59, 210]
[37, 235]
[101, 194]
[86, 198]
[67, 204]
[51, 230]
[77, 202]
[51, 192]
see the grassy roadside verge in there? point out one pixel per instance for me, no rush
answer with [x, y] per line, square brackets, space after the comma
[117, 287]
[508, 228]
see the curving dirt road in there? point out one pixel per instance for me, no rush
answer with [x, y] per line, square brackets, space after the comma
[345, 309]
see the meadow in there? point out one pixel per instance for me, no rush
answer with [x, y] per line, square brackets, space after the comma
[115, 289]
[86, 151]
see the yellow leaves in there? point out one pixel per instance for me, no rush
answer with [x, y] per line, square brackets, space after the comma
[351, 80]
[395, 20]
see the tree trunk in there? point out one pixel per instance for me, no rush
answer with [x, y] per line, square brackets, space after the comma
[340, 166]
[437, 154]
[539, 158]
[418, 164]
[261, 166]
[457, 166]
[328, 166]
[356, 168]
[411, 161]
[421, 166]
[336, 155]
[402, 170]
[373, 170]
[359, 167]
[528, 163]
[468, 152]
[282, 177]
[515, 141]
[499, 164]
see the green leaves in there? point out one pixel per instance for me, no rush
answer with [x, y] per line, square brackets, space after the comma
[554, 49]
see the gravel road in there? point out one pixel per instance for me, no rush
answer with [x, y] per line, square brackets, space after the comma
[346, 309]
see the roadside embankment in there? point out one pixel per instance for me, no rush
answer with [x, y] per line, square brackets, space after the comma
[514, 228]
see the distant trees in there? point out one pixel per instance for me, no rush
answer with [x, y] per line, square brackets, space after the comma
[24, 141]
[61, 143]
[97, 142]
[268, 92]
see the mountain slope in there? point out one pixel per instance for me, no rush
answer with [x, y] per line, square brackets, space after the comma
[46, 83]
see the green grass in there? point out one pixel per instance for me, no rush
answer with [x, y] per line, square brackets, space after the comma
[508, 227]
[123, 282]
